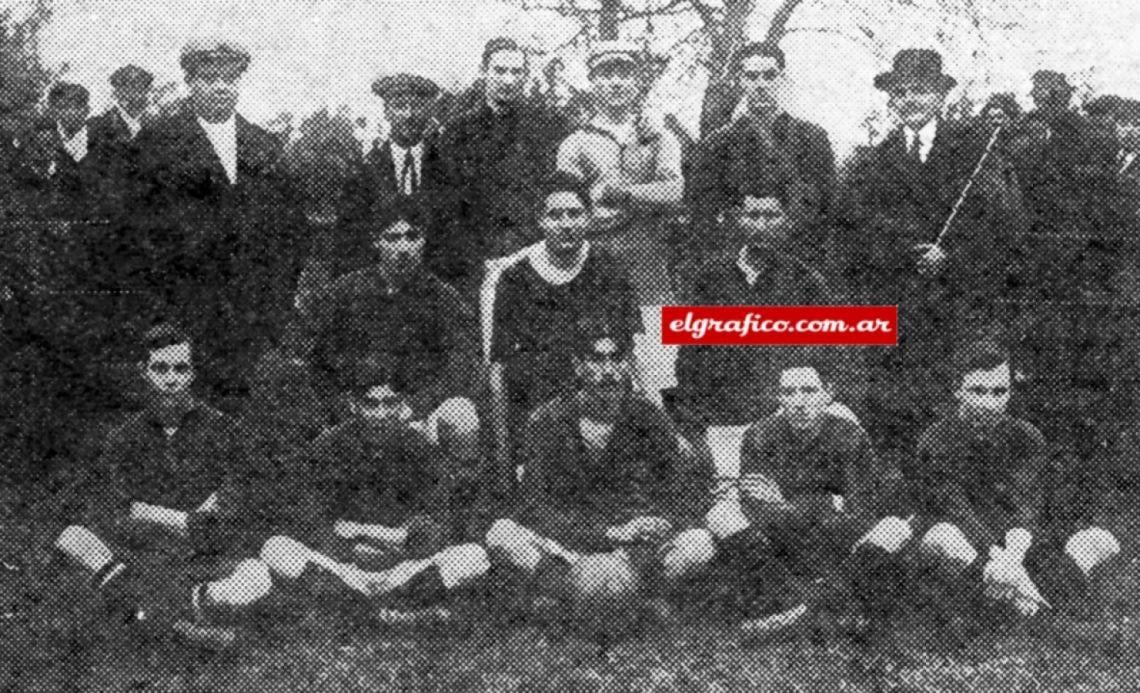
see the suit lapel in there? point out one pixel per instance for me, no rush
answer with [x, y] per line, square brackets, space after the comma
[202, 152]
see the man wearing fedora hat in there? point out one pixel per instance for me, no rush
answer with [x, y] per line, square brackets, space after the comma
[904, 190]
[220, 217]
[406, 165]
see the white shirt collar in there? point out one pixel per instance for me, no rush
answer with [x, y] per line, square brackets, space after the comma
[76, 145]
[596, 434]
[133, 124]
[223, 136]
[750, 274]
[399, 154]
[926, 138]
[540, 261]
[1127, 161]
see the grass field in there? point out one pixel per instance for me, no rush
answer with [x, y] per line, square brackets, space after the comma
[493, 653]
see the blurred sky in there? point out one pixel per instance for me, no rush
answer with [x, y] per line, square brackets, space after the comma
[313, 53]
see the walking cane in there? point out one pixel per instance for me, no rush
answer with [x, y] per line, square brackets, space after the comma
[969, 186]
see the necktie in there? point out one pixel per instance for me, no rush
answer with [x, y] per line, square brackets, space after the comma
[915, 153]
[408, 182]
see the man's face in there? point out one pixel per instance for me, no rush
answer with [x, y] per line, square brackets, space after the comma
[214, 91]
[984, 395]
[134, 100]
[169, 370]
[564, 223]
[763, 221]
[1051, 99]
[71, 115]
[605, 375]
[380, 404]
[505, 77]
[616, 84]
[759, 77]
[408, 115]
[803, 397]
[916, 103]
[1129, 135]
[401, 248]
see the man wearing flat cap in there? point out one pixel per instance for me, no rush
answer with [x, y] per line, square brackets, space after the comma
[406, 165]
[903, 192]
[220, 218]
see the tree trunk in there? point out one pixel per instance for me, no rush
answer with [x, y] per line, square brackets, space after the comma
[609, 19]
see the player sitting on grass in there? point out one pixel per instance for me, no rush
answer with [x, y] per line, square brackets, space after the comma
[807, 493]
[611, 494]
[979, 487]
[165, 508]
[373, 508]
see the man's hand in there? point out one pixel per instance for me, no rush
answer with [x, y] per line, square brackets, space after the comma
[1005, 577]
[761, 488]
[931, 259]
[611, 193]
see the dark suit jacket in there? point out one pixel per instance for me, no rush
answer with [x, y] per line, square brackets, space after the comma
[735, 154]
[371, 187]
[222, 258]
[900, 203]
[494, 165]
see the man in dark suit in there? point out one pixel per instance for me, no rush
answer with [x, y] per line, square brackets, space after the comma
[1075, 248]
[219, 218]
[904, 190]
[407, 165]
[112, 132]
[764, 138]
[495, 158]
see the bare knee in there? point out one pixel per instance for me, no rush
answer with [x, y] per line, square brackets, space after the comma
[459, 416]
[250, 582]
[1092, 547]
[890, 534]
[461, 565]
[948, 542]
[285, 556]
[689, 551]
[513, 543]
[725, 519]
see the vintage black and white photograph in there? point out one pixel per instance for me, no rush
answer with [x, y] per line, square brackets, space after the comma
[569, 345]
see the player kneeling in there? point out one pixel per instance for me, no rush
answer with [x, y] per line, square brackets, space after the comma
[372, 515]
[611, 494]
[978, 483]
[806, 495]
[165, 509]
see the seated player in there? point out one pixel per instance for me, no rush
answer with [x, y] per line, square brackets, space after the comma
[730, 386]
[396, 308]
[374, 492]
[807, 493]
[979, 488]
[167, 499]
[611, 495]
[541, 298]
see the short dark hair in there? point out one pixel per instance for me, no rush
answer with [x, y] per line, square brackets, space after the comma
[68, 92]
[398, 208]
[498, 44]
[160, 336]
[977, 355]
[764, 49]
[564, 182]
[1004, 101]
[360, 375]
[761, 185]
[806, 357]
[595, 326]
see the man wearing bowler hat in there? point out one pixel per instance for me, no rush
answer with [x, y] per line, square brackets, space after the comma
[406, 165]
[220, 218]
[904, 191]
